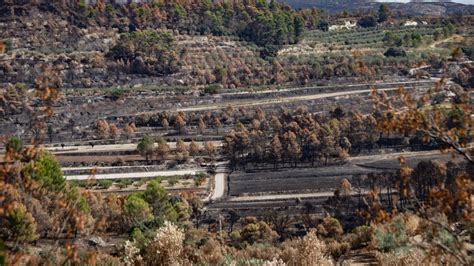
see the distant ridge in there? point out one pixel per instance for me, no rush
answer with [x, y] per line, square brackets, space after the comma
[412, 9]
[333, 5]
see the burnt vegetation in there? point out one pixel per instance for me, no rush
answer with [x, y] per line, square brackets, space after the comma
[234, 133]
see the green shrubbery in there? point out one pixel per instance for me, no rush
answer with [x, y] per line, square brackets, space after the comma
[116, 94]
[105, 183]
[47, 171]
[212, 89]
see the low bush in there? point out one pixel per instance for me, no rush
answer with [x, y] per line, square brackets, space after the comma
[395, 52]
[173, 181]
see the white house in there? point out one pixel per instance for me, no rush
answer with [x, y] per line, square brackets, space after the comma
[410, 23]
[347, 26]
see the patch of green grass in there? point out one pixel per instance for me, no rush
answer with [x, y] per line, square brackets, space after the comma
[105, 183]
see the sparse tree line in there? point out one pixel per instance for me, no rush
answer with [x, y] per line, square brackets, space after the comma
[185, 123]
[105, 130]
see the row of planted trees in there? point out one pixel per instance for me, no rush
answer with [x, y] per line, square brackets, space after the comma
[161, 149]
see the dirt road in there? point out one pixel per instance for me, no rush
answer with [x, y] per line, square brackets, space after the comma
[219, 181]
[433, 45]
[219, 186]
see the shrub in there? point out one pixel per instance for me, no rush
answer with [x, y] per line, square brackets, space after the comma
[74, 196]
[395, 52]
[257, 233]
[48, 172]
[15, 144]
[136, 210]
[121, 185]
[105, 183]
[391, 236]
[149, 52]
[139, 238]
[412, 256]
[173, 181]
[106, 259]
[21, 224]
[116, 94]
[235, 235]
[167, 246]
[132, 253]
[337, 249]
[212, 89]
[312, 251]
[361, 236]
[367, 22]
[199, 179]
[210, 253]
[331, 227]
[412, 224]
[323, 25]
